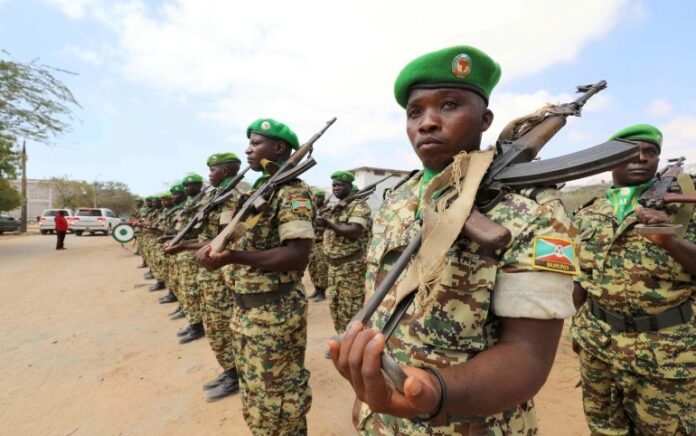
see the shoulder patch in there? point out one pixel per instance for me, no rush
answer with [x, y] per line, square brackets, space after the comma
[554, 254]
[301, 204]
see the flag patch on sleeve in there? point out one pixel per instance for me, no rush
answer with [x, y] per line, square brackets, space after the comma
[554, 254]
[301, 205]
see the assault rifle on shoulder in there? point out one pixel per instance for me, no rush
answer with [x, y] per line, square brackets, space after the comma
[249, 213]
[220, 198]
[363, 193]
[663, 192]
[513, 168]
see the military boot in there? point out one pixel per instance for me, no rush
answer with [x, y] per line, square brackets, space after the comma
[178, 309]
[169, 298]
[212, 384]
[197, 332]
[142, 265]
[148, 275]
[319, 295]
[228, 385]
[157, 287]
[184, 331]
[177, 314]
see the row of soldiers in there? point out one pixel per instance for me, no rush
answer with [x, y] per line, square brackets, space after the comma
[478, 337]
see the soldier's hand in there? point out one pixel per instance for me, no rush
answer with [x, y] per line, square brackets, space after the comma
[358, 358]
[320, 222]
[649, 217]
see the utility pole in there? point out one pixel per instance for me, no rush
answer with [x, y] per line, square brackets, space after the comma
[23, 219]
[94, 197]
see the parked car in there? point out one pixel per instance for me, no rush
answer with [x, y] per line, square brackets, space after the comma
[47, 223]
[92, 220]
[8, 224]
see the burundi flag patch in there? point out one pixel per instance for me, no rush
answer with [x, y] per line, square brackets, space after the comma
[301, 205]
[554, 254]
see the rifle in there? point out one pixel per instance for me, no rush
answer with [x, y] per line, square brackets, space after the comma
[658, 196]
[363, 193]
[219, 199]
[247, 216]
[512, 168]
[194, 202]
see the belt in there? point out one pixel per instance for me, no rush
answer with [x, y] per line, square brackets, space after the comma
[649, 323]
[251, 301]
[345, 259]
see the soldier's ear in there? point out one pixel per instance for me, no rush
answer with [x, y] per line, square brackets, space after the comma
[486, 119]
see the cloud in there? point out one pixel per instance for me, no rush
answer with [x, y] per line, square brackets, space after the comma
[89, 56]
[659, 108]
[75, 9]
[679, 138]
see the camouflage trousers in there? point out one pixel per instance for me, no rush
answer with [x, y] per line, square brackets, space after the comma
[173, 283]
[346, 292]
[217, 315]
[318, 268]
[619, 402]
[145, 248]
[192, 303]
[158, 264]
[270, 346]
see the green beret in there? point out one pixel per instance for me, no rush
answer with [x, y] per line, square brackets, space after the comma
[342, 176]
[462, 66]
[177, 188]
[148, 198]
[640, 132]
[222, 158]
[191, 178]
[319, 193]
[165, 196]
[154, 197]
[354, 188]
[274, 129]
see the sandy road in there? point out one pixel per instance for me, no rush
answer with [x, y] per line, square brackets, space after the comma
[83, 351]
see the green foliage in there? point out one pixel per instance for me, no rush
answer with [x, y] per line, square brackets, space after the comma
[73, 194]
[10, 198]
[117, 197]
[9, 158]
[33, 103]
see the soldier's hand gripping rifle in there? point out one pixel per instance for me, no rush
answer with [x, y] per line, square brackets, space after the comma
[513, 168]
[660, 194]
[248, 214]
[220, 198]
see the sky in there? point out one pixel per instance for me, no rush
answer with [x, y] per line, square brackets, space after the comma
[164, 84]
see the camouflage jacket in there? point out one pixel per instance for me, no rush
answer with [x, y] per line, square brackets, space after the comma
[458, 317]
[627, 274]
[218, 218]
[188, 211]
[336, 246]
[288, 216]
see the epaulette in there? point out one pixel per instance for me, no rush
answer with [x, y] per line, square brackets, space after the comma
[585, 204]
[399, 183]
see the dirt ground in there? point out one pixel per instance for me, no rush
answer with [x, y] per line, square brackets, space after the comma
[85, 349]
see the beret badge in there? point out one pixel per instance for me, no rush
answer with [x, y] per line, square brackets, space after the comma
[461, 66]
[266, 125]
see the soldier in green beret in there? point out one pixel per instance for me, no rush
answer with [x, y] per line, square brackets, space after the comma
[217, 300]
[317, 267]
[480, 336]
[148, 238]
[270, 311]
[345, 240]
[636, 332]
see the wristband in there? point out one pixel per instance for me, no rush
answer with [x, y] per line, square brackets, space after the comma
[443, 396]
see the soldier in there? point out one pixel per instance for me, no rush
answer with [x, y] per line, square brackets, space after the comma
[318, 268]
[160, 265]
[636, 332]
[345, 241]
[155, 209]
[270, 311]
[480, 339]
[217, 300]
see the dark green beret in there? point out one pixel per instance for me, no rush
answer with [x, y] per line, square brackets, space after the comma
[319, 193]
[177, 188]
[462, 66]
[191, 178]
[640, 132]
[354, 188]
[165, 196]
[274, 129]
[154, 197]
[148, 198]
[342, 176]
[222, 158]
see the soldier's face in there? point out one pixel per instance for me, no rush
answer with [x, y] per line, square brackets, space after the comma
[217, 175]
[192, 189]
[156, 204]
[341, 189]
[166, 203]
[319, 201]
[442, 122]
[639, 172]
[149, 203]
[262, 147]
[178, 197]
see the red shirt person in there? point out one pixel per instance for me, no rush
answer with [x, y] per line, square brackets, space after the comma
[61, 229]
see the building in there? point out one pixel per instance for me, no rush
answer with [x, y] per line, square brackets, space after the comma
[40, 196]
[367, 175]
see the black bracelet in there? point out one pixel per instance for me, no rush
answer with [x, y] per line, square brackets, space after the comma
[443, 396]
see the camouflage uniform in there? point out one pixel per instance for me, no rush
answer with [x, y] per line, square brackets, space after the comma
[271, 338]
[187, 266]
[318, 268]
[459, 316]
[346, 260]
[633, 382]
[217, 299]
[160, 266]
